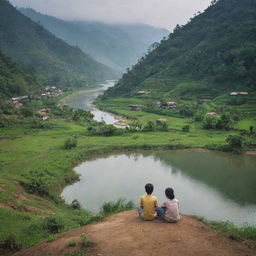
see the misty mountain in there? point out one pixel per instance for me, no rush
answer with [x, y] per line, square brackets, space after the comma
[116, 45]
[57, 62]
[213, 53]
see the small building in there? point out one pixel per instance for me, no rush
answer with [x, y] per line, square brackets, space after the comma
[211, 113]
[243, 93]
[143, 92]
[44, 113]
[233, 93]
[161, 121]
[171, 104]
[134, 107]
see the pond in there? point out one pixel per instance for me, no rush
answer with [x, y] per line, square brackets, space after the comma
[84, 99]
[215, 185]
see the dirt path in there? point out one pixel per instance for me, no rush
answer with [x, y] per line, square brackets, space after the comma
[125, 234]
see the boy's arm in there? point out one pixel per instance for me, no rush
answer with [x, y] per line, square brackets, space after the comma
[141, 203]
[156, 204]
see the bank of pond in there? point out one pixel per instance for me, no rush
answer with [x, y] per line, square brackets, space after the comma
[215, 185]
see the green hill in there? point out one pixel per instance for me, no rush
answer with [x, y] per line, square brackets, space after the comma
[59, 63]
[116, 45]
[213, 53]
[15, 80]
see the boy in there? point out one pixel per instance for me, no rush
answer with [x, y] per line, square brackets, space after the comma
[148, 204]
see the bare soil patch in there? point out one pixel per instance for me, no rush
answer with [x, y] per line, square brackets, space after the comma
[125, 234]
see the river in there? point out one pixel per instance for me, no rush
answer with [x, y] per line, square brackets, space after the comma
[84, 100]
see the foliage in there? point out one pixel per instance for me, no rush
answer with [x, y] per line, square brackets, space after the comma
[120, 205]
[102, 129]
[38, 184]
[75, 204]
[229, 229]
[70, 143]
[10, 243]
[82, 115]
[186, 128]
[57, 62]
[208, 56]
[235, 143]
[54, 224]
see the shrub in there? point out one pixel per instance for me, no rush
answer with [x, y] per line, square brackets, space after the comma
[38, 185]
[210, 122]
[186, 128]
[70, 143]
[10, 243]
[103, 129]
[235, 143]
[75, 204]
[115, 207]
[150, 126]
[54, 224]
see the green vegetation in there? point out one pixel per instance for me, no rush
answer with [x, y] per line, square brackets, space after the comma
[57, 62]
[115, 45]
[210, 55]
[120, 205]
[229, 229]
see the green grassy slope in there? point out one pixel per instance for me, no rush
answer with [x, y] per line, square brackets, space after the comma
[214, 53]
[59, 63]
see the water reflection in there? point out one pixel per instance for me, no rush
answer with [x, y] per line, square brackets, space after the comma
[200, 190]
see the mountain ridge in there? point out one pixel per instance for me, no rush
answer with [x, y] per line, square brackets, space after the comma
[116, 45]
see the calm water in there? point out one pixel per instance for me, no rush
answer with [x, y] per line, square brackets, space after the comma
[84, 99]
[215, 185]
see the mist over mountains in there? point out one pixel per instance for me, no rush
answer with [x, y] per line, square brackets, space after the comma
[118, 46]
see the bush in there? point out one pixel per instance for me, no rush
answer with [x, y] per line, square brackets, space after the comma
[235, 143]
[103, 129]
[210, 122]
[75, 204]
[38, 185]
[10, 243]
[54, 224]
[115, 207]
[186, 128]
[150, 126]
[70, 143]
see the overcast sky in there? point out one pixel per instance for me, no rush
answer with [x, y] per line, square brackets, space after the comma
[160, 13]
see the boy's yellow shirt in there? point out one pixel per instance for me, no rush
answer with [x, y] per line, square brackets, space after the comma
[149, 204]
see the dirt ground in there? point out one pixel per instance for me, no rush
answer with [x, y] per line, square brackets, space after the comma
[125, 234]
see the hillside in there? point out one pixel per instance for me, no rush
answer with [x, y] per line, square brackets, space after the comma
[15, 80]
[59, 63]
[116, 45]
[213, 53]
[125, 234]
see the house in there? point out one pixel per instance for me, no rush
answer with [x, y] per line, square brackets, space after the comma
[161, 121]
[134, 107]
[44, 113]
[243, 93]
[171, 104]
[143, 92]
[211, 113]
[233, 93]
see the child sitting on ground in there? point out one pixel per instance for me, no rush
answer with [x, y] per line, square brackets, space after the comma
[170, 208]
[148, 204]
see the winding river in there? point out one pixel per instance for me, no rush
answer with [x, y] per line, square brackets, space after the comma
[214, 185]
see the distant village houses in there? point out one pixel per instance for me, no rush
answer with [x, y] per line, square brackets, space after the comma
[44, 113]
[135, 107]
[211, 114]
[143, 92]
[238, 93]
[168, 105]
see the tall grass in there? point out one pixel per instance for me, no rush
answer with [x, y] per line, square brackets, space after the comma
[120, 205]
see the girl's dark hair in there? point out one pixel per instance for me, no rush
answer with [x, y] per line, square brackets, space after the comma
[169, 193]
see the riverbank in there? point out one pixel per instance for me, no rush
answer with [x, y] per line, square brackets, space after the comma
[125, 233]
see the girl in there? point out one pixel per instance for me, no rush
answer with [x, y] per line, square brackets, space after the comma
[170, 208]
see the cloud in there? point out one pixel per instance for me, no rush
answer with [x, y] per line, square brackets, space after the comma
[161, 13]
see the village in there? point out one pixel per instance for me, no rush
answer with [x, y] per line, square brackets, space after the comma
[50, 92]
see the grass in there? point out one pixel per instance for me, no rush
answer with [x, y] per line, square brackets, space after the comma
[28, 156]
[234, 232]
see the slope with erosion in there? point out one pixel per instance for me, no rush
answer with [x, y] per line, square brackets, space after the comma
[58, 63]
[116, 45]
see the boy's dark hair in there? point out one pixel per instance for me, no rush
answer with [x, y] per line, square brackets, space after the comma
[169, 193]
[149, 188]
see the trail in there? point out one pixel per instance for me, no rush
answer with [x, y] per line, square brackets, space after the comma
[125, 234]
